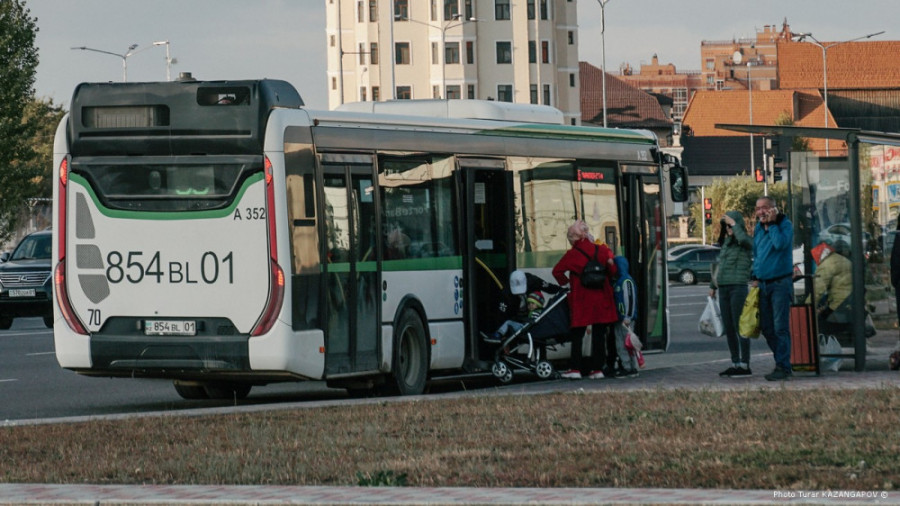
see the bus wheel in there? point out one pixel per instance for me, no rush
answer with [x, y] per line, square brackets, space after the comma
[227, 390]
[410, 365]
[190, 391]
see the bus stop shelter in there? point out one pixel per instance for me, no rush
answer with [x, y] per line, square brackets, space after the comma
[851, 193]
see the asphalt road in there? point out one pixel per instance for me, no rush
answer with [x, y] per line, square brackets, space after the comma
[33, 386]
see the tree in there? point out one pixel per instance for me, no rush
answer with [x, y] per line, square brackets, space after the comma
[18, 66]
[45, 116]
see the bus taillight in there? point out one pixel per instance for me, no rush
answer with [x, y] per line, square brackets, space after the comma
[276, 283]
[62, 299]
[273, 307]
[61, 226]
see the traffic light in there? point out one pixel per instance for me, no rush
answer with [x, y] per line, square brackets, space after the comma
[708, 217]
[760, 175]
[777, 165]
[707, 210]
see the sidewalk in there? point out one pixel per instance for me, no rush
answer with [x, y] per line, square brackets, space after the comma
[663, 374]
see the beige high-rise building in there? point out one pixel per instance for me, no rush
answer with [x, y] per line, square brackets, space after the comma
[523, 51]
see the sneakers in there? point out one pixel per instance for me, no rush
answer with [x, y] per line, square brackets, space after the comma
[728, 372]
[736, 372]
[625, 373]
[596, 375]
[778, 374]
[492, 338]
[571, 374]
[741, 372]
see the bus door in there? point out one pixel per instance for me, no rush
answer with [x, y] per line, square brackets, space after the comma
[351, 276]
[488, 245]
[643, 241]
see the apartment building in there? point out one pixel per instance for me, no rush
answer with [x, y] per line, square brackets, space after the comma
[522, 51]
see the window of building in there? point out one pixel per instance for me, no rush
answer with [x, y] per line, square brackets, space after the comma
[572, 80]
[362, 93]
[373, 11]
[453, 91]
[401, 53]
[373, 53]
[334, 83]
[401, 9]
[332, 41]
[470, 11]
[571, 37]
[504, 93]
[451, 52]
[434, 10]
[435, 91]
[451, 9]
[404, 92]
[547, 100]
[532, 51]
[572, 121]
[545, 51]
[544, 9]
[470, 52]
[470, 91]
[710, 64]
[504, 52]
[362, 53]
[530, 8]
[361, 11]
[434, 54]
[533, 93]
[501, 9]
[376, 94]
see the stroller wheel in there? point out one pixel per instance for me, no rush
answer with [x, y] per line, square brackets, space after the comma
[543, 369]
[502, 372]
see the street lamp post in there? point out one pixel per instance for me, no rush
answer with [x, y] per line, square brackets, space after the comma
[825, 48]
[124, 57]
[603, 60]
[169, 59]
[131, 52]
[447, 25]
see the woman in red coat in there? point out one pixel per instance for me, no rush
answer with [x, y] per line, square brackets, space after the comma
[595, 307]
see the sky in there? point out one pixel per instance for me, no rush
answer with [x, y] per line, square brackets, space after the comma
[285, 39]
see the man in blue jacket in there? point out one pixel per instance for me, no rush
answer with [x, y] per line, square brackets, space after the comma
[773, 239]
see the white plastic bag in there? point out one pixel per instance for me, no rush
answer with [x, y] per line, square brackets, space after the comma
[829, 345]
[711, 319]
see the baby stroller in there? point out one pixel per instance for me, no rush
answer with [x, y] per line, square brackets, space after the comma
[526, 348]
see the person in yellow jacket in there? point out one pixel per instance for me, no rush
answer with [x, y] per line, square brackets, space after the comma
[832, 285]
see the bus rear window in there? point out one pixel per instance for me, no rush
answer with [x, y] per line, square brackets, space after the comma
[167, 187]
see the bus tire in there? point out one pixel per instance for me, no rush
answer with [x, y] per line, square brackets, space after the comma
[409, 368]
[190, 391]
[227, 391]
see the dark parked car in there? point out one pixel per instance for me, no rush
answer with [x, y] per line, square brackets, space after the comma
[25, 281]
[693, 265]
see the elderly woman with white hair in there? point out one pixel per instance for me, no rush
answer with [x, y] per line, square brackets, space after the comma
[589, 306]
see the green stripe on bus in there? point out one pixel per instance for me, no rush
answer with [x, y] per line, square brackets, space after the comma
[409, 264]
[166, 215]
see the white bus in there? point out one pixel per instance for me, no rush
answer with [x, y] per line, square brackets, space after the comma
[221, 235]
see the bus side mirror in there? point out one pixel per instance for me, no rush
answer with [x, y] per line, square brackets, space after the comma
[678, 183]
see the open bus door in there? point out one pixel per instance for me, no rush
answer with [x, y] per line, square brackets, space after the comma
[643, 239]
[487, 245]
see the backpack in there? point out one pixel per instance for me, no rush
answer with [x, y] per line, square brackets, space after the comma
[593, 276]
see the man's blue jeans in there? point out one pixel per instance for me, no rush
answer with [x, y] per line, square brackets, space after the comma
[774, 317]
